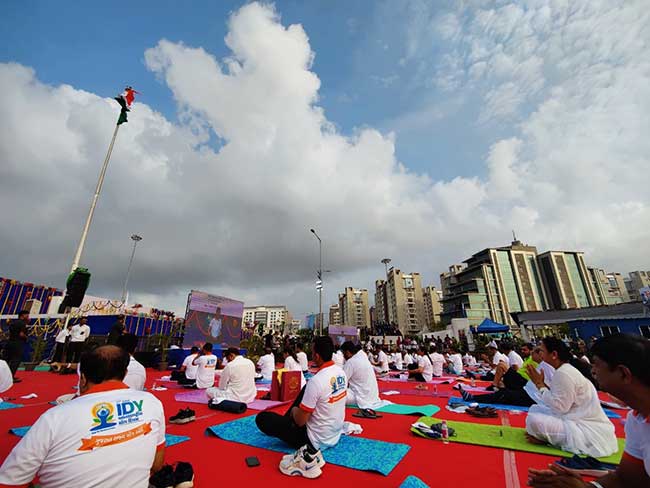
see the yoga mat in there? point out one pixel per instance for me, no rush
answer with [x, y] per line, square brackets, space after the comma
[400, 409]
[434, 381]
[424, 393]
[413, 482]
[200, 396]
[351, 452]
[498, 406]
[7, 405]
[505, 438]
[170, 439]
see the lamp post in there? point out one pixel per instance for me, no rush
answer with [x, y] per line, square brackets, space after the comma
[135, 238]
[319, 282]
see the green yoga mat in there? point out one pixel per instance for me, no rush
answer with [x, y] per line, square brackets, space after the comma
[399, 409]
[504, 437]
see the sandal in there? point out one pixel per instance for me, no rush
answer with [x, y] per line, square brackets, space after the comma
[482, 412]
[367, 413]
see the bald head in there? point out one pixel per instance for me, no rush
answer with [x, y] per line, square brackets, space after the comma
[104, 364]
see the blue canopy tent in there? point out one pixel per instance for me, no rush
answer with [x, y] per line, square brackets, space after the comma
[490, 327]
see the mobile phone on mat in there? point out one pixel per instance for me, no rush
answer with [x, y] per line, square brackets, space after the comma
[252, 461]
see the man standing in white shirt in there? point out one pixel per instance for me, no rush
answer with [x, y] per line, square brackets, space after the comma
[362, 383]
[79, 334]
[237, 382]
[568, 414]
[59, 343]
[266, 364]
[315, 421]
[110, 436]
[215, 324]
[136, 374]
[206, 363]
[302, 357]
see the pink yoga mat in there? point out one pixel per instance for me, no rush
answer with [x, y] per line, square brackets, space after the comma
[200, 396]
[435, 381]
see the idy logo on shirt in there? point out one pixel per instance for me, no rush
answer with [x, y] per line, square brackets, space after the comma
[337, 383]
[104, 414]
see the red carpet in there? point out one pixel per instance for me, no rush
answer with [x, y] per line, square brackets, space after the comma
[216, 461]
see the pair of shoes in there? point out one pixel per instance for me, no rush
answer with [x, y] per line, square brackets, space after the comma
[168, 477]
[183, 416]
[586, 466]
[482, 412]
[301, 463]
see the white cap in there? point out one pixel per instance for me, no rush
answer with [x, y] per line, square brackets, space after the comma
[493, 344]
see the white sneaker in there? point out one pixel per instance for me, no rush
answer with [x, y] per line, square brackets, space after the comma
[319, 456]
[298, 465]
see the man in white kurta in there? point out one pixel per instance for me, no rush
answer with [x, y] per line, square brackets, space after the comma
[569, 415]
[362, 383]
[237, 382]
[266, 364]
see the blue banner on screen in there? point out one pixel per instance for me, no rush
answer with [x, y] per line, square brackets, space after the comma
[212, 318]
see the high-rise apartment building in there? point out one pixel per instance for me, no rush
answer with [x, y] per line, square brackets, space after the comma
[272, 317]
[492, 284]
[381, 304]
[353, 306]
[432, 309]
[335, 315]
[607, 287]
[405, 301]
[637, 280]
[567, 280]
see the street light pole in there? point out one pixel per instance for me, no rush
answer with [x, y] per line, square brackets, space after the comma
[386, 261]
[135, 238]
[320, 282]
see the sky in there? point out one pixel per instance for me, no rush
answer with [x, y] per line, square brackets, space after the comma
[421, 131]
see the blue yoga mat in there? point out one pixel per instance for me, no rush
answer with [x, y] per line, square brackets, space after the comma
[170, 439]
[352, 452]
[413, 482]
[7, 405]
[459, 401]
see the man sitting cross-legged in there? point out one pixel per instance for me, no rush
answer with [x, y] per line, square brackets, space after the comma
[315, 420]
[110, 436]
[620, 365]
[568, 414]
[237, 382]
[362, 383]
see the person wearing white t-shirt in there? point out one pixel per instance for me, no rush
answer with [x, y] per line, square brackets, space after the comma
[302, 357]
[407, 358]
[438, 362]
[423, 370]
[59, 343]
[469, 359]
[291, 364]
[315, 420]
[266, 364]
[79, 334]
[110, 436]
[338, 358]
[187, 372]
[206, 363]
[380, 362]
[398, 364]
[362, 383]
[136, 375]
[512, 361]
[6, 378]
[237, 381]
[215, 324]
[455, 361]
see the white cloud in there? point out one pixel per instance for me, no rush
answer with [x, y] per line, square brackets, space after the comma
[235, 220]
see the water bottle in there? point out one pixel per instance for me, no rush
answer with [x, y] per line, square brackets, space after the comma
[445, 432]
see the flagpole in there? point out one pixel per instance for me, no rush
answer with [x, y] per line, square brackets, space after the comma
[93, 204]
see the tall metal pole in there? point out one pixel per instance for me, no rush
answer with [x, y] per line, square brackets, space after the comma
[93, 204]
[320, 278]
[135, 238]
[386, 261]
